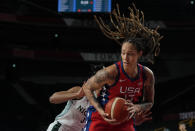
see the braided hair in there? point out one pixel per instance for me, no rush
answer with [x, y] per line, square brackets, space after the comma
[131, 29]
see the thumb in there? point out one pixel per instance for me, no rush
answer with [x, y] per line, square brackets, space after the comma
[103, 113]
[106, 114]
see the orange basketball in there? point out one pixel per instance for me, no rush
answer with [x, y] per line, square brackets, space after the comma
[117, 109]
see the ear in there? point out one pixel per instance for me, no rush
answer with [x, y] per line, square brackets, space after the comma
[140, 53]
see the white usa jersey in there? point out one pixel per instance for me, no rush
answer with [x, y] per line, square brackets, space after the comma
[73, 117]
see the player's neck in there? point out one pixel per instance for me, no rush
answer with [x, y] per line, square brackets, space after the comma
[131, 70]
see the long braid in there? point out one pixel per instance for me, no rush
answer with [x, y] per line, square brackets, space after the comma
[132, 28]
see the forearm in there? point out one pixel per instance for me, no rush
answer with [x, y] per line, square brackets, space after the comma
[95, 83]
[61, 98]
[92, 99]
[145, 106]
[75, 92]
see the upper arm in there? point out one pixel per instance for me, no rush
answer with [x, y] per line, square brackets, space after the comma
[149, 86]
[102, 77]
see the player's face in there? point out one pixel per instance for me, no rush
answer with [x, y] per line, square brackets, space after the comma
[129, 54]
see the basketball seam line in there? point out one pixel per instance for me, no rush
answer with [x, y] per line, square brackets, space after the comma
[113, 105]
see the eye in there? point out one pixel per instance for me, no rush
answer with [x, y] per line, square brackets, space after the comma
[132, 53]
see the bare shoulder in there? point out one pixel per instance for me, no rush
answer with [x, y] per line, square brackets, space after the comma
[112, 70]
[150, 80]
[107, 74]
[148, 72]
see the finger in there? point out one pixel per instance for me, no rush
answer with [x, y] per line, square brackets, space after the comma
[132, 111]
[149, 113]
[129, 101]
[146, 114]
[147, 119]
[106, 115]
[130, 108]
[140, 113]
[131, 115]
[146, 111]
[129, 104]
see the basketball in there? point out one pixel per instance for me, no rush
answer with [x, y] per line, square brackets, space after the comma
[117, 109]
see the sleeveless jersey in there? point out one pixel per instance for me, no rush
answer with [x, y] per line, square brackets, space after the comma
[73, 117]
[125, 87]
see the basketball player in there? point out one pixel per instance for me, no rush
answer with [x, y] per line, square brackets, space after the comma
[126, 78]
[73, 117]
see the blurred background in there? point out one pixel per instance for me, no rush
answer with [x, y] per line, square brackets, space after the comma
[45, 49]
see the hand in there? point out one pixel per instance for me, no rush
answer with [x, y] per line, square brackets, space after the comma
[105, 116]
[142, 117]
[80, 93]
[132, 108]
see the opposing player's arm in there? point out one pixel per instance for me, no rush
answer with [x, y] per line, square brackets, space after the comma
[75, 92]
[148, 99]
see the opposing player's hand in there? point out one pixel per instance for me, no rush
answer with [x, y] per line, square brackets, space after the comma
[81, 93]
[141, 117]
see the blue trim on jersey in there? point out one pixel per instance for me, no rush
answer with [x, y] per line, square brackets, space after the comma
[132, 79]
[88, 121]
[66, 109]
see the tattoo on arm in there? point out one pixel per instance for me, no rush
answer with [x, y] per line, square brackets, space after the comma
[96, 82]
[103, 76]
[90, 94]
[148, 94]
[146, 106]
